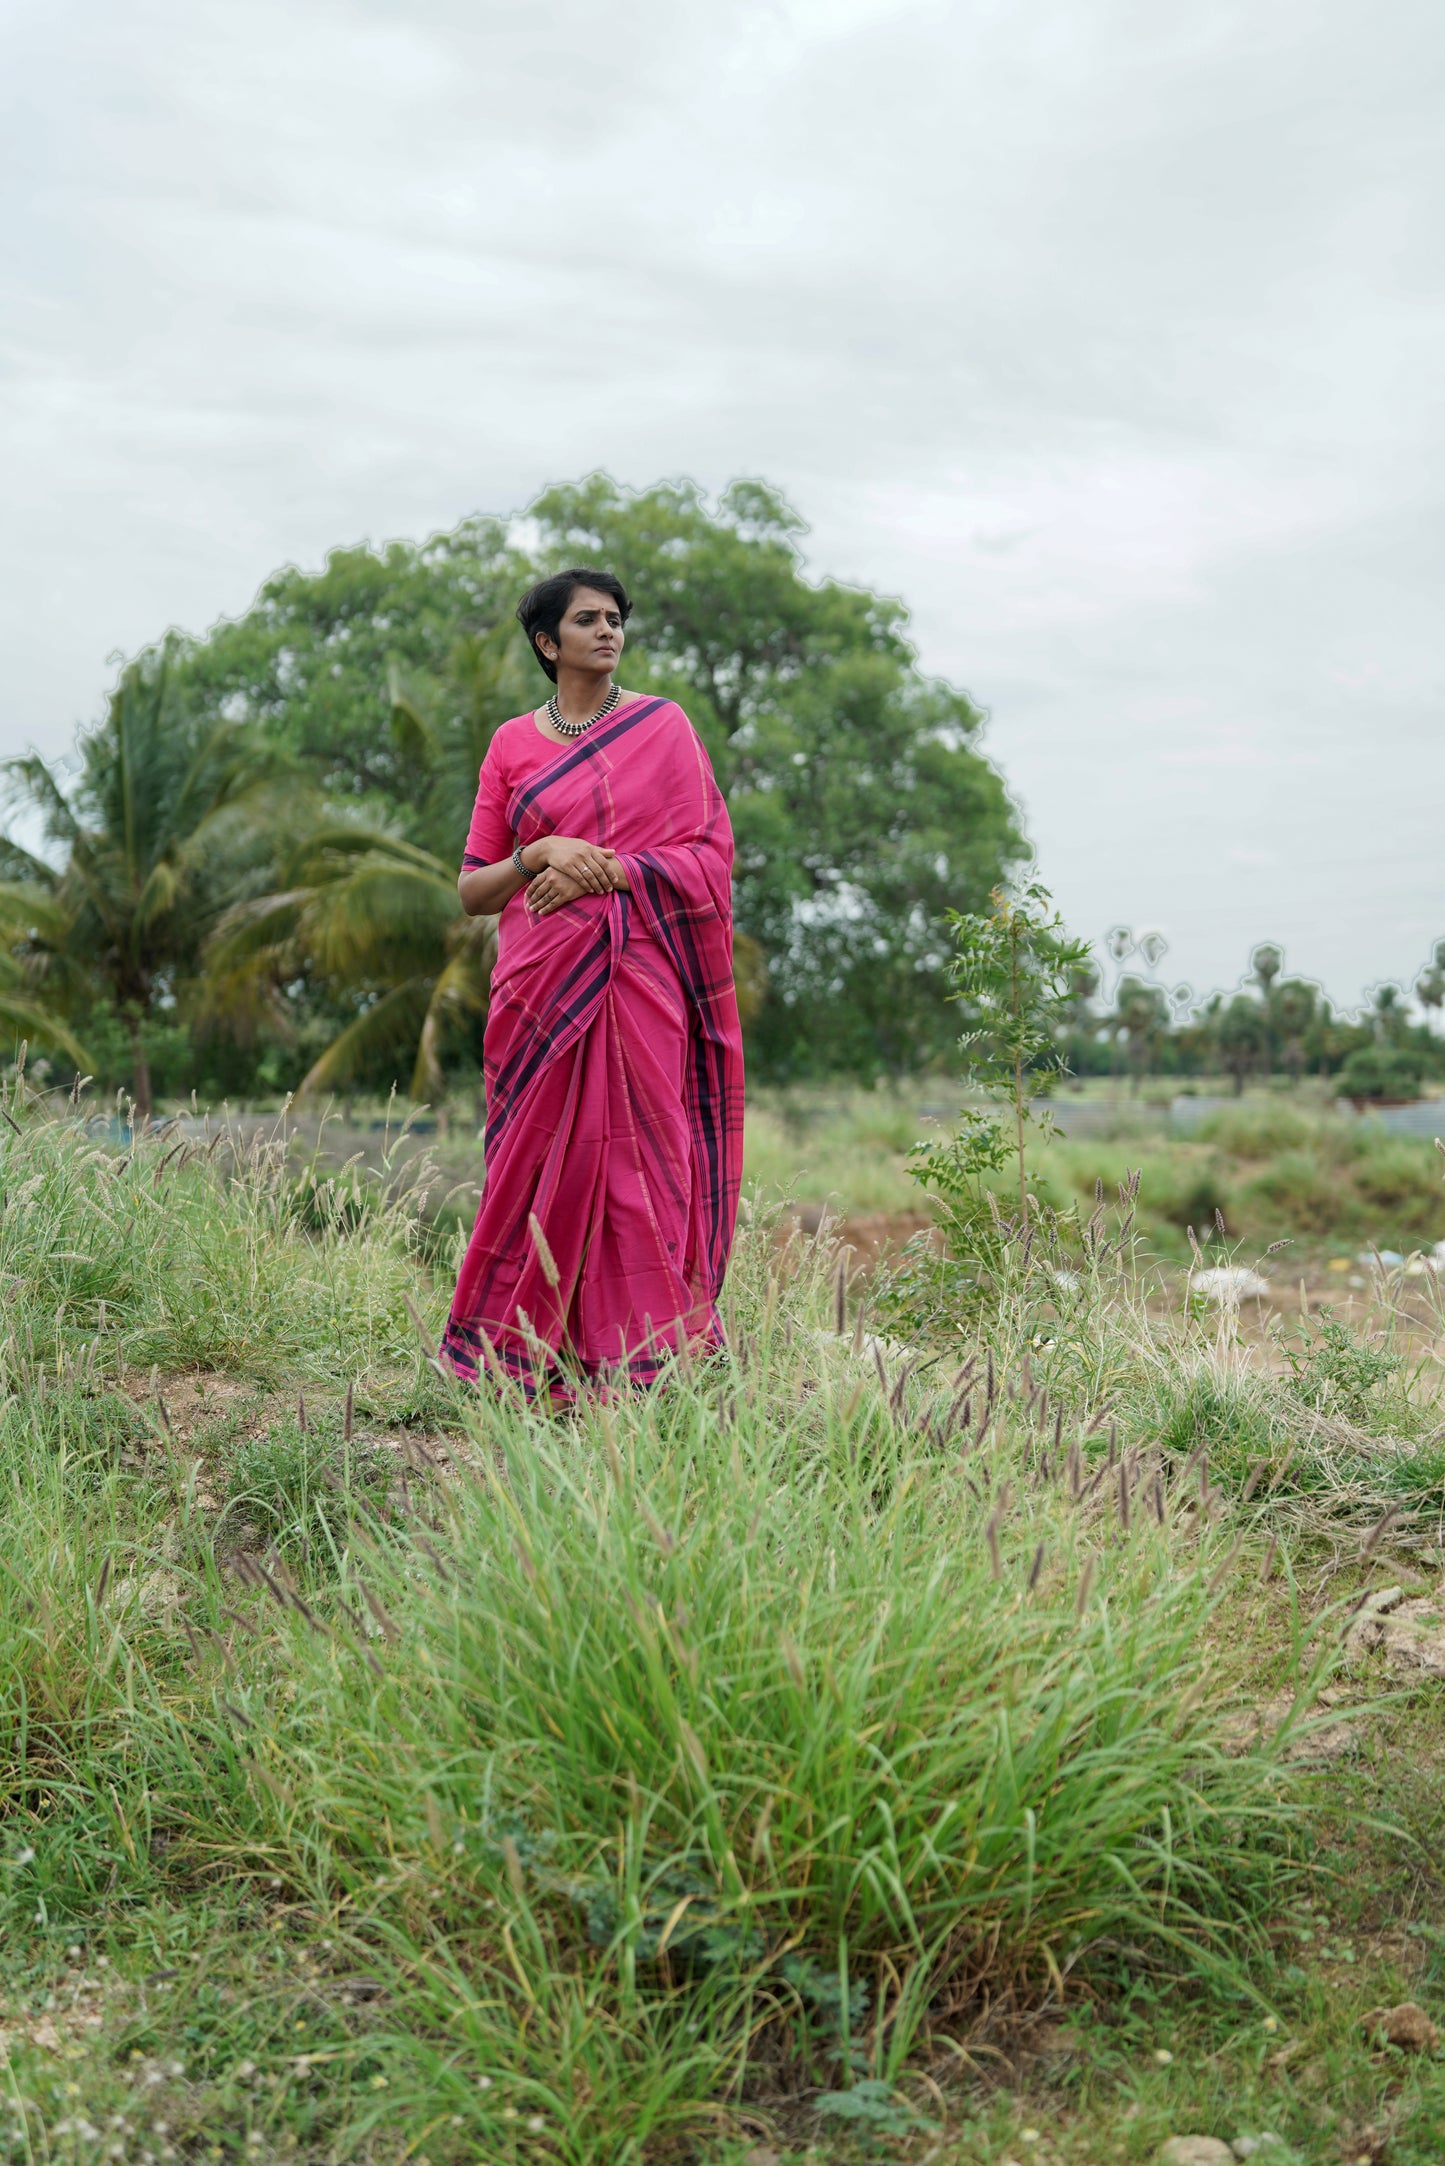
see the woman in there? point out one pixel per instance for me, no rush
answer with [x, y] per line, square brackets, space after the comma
[613, 1055]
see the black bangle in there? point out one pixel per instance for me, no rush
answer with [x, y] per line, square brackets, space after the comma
[525, 870]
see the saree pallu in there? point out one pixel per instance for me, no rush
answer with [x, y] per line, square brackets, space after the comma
[613, 1064]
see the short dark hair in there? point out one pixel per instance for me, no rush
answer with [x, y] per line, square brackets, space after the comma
[545, 605]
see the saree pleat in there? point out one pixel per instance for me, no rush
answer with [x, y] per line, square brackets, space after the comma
[613, 1064]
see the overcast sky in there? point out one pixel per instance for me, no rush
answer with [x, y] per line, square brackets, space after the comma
[1109, 335]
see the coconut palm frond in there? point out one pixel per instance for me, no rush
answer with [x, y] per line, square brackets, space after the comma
[29, 912]
[244, 998]
[159, 894]
[391, 1025]
[30, 782]
[326, 848]
[21, 867]
[155, 840]
[461, 991]
[412, 729]
[262, 921]
[23, 1016]
[377, 919]
[368, 914]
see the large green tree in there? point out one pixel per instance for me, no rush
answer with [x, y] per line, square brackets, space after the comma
[321, 657]
[863, 808]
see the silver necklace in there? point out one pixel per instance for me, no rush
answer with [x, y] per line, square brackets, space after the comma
[575, 729]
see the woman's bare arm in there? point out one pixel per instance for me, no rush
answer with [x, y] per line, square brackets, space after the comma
[486, 889]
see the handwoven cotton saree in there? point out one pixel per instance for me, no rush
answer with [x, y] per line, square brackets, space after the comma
[613, 1064]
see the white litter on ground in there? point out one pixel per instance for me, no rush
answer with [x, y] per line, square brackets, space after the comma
[1228, 1284]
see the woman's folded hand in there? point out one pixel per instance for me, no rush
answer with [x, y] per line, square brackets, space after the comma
[586, 863]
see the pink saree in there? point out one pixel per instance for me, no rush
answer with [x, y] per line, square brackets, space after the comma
[613, 1062]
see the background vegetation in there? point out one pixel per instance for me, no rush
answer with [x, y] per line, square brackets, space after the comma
[243, 883]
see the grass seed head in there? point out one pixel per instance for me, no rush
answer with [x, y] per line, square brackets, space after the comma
[544, 1253]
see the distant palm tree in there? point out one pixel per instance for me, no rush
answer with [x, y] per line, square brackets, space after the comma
[1142, 1012]
[1265, 963]
[1430, 985]
[142, 839]
[1293, 1007]
[369, 918]
[1239, 1034]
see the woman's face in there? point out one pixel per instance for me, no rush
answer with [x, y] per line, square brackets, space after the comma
[590, 635]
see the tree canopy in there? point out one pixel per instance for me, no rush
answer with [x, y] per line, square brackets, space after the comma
[862, 807]
[248, 884]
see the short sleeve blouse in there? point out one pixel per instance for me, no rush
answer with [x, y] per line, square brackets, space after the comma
[517, 750]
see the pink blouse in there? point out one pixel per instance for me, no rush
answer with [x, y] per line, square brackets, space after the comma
[517, 750]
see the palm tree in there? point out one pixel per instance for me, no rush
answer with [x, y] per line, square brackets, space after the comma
[1265, 963]
[1142, 1012]
[1239, 1033]
[375, 921]
[1430, 986]
[28, 919]
[1293, 1006]
[146, 837]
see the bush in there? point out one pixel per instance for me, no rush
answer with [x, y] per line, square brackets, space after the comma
[1231, 1419]
[1335, 1371]
[1257, 1131]
[1298, 1194]
[1400, 1175]
[300, 1491]
[1381, 1071]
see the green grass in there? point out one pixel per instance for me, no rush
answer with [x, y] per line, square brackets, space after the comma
[850, 1149]
[457, 1782]
[1276, 1173]
[1277, 1169]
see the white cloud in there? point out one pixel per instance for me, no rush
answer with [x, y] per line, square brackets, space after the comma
[1107, 335]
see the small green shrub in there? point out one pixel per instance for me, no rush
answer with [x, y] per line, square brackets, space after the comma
[1230, 1418]
[1257, 1131]
[1400, 1175]
[1185, 1192]
[1414, 1477]
[1297, 1194]
[1335, 1371]
[299, 1491]
[1381, 1071]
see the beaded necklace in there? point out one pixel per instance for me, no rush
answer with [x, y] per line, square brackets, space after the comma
[575, 729]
